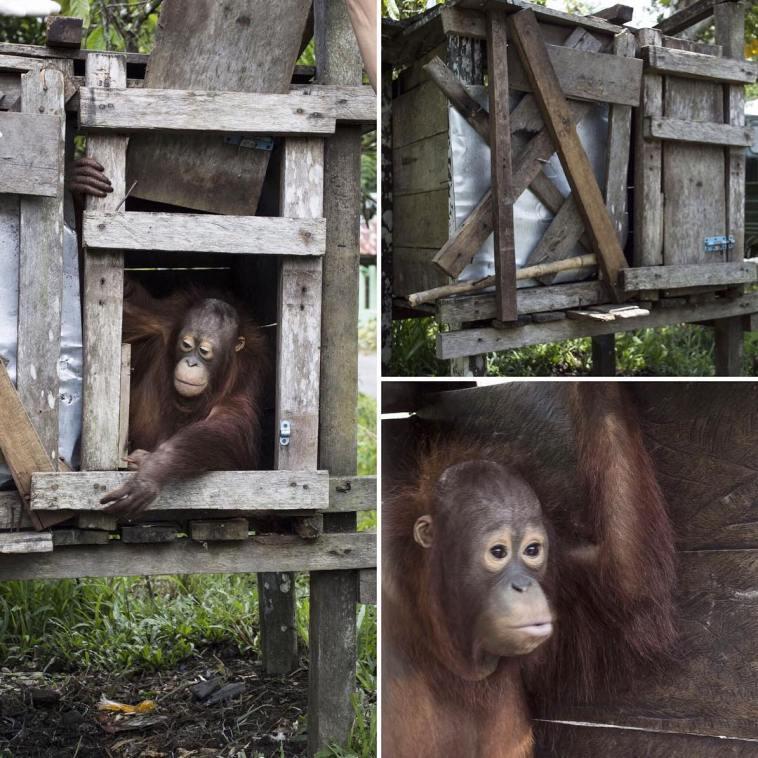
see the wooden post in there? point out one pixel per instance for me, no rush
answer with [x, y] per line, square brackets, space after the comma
[333, 644]
[604, 355]
[297, 382]
[41, 275]
[730, 34]
[386, 218]
[465, 58]
[502, 178]
[103, 292]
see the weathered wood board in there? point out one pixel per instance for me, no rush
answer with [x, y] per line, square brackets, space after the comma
[681, 130]
[698, 66]
[203, 233]
[217, 490]
[25, 542]
[332, 552]
[30, 155]
[237, 46]
[687, 275]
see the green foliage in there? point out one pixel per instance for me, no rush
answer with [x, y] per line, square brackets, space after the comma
[366, 435]
[413, 351]
[22, 31]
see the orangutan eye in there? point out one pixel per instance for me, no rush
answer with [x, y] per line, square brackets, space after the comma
[498, 552]
[533, 550]
[205, 351]
[186, 345]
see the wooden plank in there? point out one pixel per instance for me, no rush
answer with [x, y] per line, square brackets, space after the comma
[481, 306]
[149, 534]
[41, 273]
[216, 490]
[16, 543]
[619, 145]
[679, 43]
[75, 537]
[125, 396]
[18, 63]
[103, 292]
[686, 17]
[332, 628]
[63, 31]
[729, 346]
[418, 114]
[96, 520]
[8, 49]
[421, 220]
[219, 530]
[13, 512]
[501, 171]
[648, 171]
[354, 493]
[253, 45]
[616, 14]
[680, 130]
[486, 340]
[558, 119]
[203, 233]
[297, 383]
[421, 166]
[578, 740]
[332, 552]
[684, 63]
[695, 275]
[303, 111]
[367, 584]
[30, 154]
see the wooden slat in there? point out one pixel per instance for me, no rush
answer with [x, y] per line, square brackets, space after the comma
[103, 292]
[27, 52]
[331, 552]
[680, 130]
[686, 17]
[219, 530]
[125, 401]
[13, 513]
[355, 493]
[41, 273]
[217, 491]
[63, 31]
[695, 275]
[485, 340]
[501, 172]
[138, 110]
[616, 14]
[367, 586]
[203, 233]
[418, 114]
[25, 542]
[30, 155]
[420, 166]
[74, 537]
[558, 119]
[697, 66]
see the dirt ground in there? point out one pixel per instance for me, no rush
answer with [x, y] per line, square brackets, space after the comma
[55, 715]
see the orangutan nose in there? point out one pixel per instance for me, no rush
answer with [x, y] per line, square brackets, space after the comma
[521, 584]
[191, 361]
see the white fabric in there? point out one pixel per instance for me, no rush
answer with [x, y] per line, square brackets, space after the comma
[28, 7]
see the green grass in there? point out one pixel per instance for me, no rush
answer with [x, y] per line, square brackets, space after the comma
[685, 350]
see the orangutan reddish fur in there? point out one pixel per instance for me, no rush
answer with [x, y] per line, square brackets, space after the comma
[219, 430]
[610, 579]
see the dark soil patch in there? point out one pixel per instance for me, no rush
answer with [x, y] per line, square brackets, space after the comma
[266, 719]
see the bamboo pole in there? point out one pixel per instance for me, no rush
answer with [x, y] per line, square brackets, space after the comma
[530, 272]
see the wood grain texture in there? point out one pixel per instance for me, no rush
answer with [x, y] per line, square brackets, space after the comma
[237, 46]
[367, 585]
[13, 543]
[355, 493]
[693, 275]
[71, 537]
[13, 513]
[680, 130]
[219, 530]
[698, 66]
[63, 31]
[216, 490]
[332, 552]
[203, 233]
[502, 190]
[686, 17]
[34, 52]
[164, 110]
[125, 401]
[648, 171]
[559, 122]
[41, 272]
[30, 156]
[485, 340]
[420, 166]
[103, 293]
[418, 114]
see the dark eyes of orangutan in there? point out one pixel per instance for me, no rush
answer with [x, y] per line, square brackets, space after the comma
[186, 345]
[498, 551]
[533, 550]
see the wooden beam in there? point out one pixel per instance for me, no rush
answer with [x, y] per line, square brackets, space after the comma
[503, 195]
[485, 340]
[203, 233]
[367, 585]
[41, 272]
[310, 110]
[331, 552]
[354, 493]
[697, 66]
[63, 31]
[30, 154]
[559, 121]
[14, 543]
[216, 490]
[687, 275]
[616, 14]
[679, 130]
[687, 17]
[103, 292]
[33, 52]
[125, 402]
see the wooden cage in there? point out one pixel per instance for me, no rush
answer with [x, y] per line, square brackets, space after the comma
[53, 526]
[665, 222]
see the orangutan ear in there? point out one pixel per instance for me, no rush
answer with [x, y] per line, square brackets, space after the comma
[240, 344]
[423, 531]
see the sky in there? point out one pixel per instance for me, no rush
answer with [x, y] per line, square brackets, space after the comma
[643, 13]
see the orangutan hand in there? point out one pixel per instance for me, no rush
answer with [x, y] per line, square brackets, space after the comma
[129, 500]
[85, 176]
[135, 459]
